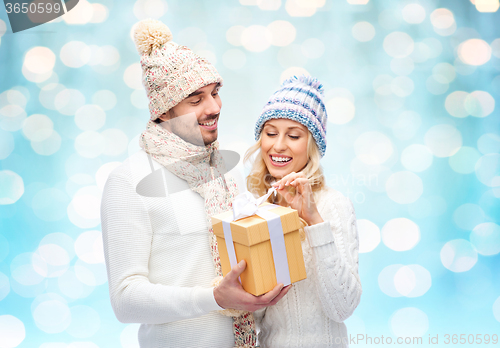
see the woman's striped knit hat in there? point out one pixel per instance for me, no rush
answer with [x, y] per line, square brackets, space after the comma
[299, 99]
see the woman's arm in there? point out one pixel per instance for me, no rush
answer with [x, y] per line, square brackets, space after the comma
[334, 243]
[127, 236]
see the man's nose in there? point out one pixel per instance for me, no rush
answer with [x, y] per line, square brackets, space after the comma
[213, 107]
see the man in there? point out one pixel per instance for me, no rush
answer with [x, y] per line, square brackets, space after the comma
[161, 255]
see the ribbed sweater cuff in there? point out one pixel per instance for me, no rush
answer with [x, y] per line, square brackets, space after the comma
[319, 234]
[205, 300]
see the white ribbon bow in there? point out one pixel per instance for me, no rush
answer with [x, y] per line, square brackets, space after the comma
[245, 204]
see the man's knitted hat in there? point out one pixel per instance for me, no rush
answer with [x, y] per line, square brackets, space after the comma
[170, 72]
[299, 99]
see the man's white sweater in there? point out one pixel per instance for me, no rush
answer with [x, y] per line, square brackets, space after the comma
[158, 259]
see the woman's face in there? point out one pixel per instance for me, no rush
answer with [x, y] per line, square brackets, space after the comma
[284, 146]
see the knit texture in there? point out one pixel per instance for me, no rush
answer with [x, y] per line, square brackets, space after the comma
[170, 72]
[299, 99]
[158, 259]
[202, 167]
[311, 315]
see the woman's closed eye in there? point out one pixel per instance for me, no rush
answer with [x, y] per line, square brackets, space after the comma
[294, 137]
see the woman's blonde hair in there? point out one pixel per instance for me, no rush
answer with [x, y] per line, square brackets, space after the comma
[259, 180]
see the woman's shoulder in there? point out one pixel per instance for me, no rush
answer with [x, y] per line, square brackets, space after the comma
[327, 192]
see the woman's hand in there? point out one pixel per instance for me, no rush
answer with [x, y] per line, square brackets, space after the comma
[303, 200]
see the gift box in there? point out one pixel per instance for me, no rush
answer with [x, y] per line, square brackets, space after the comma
[254, 243]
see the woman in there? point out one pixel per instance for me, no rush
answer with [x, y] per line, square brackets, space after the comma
[291, 137]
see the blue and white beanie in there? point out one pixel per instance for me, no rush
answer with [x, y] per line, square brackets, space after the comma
[299, 99]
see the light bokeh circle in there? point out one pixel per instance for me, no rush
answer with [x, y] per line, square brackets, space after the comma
[11, 187]
[129, 336]
[256, 38]
[496, 309]
[404, 187]
[409, 322]
[52, 316]
[464, 160]
[455, 104]
[489, 143]
[416, 158]
[89, 247]
[413, 13]
[283, 33]
[412, 280]
[468, 215]
[474, 52]
[12, 331]
[400, 234]
[443, 140]
[486, 238]
[85, 322]
[479, 104]
[373, 147]
[458, 255]
[369, 235]
[363, 31]
[386, 280]
[398, 44]
[340, 110]
[488, 169]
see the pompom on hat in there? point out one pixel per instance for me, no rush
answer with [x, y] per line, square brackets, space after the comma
[298, 99]
[170, 72]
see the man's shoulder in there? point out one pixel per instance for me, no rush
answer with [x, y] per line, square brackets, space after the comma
[135, 167]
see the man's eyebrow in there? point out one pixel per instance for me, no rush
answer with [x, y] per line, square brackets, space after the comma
[198, 92]
[195, 93]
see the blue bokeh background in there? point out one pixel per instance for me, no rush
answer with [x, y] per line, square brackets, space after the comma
[411, 89]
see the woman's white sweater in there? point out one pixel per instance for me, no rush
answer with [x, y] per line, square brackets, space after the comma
[311, 315]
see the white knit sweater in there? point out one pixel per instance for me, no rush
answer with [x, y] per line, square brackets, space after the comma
[311, 315]
[159, 262]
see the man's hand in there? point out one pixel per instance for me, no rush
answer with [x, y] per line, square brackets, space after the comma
[230, 293]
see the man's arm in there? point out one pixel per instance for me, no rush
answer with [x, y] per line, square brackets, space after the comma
[127, 237]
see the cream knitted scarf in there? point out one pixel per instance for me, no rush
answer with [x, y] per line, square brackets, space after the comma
[202, 167]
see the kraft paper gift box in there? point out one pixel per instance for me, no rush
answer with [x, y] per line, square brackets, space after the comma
[252, 243]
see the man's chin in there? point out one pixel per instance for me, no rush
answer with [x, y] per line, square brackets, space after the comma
[210, 138]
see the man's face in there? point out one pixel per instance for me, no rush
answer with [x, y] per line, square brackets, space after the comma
[196, 115]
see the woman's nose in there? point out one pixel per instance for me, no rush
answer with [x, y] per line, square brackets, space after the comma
[280, 144]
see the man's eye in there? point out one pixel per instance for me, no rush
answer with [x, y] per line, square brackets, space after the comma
[196, 102]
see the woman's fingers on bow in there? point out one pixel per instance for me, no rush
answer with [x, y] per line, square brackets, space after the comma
[285, 181]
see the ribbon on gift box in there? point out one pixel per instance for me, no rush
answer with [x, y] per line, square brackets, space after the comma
[245, 205]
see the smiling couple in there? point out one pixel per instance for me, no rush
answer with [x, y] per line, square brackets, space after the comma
[161, 255]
